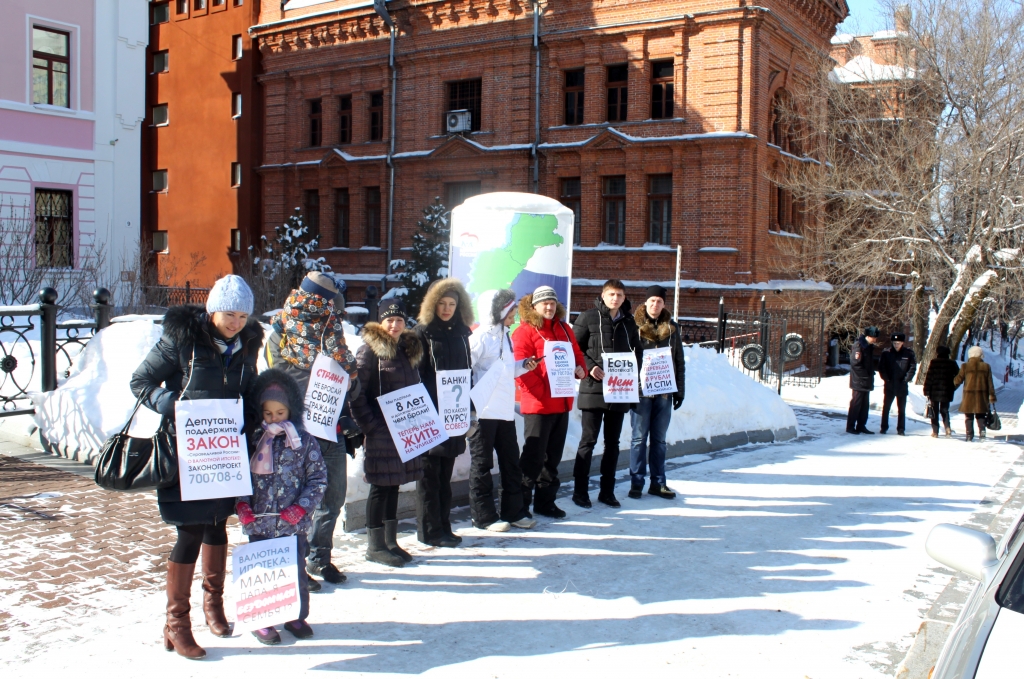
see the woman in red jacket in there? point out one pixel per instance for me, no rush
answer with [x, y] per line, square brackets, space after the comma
[546, 418]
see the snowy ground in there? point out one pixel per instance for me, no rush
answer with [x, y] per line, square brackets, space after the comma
[803, 559]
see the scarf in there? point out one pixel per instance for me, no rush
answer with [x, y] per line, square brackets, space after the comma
[262, 461]
[307, 324]
[226, 348]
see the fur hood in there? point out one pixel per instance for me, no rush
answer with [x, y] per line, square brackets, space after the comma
[648, 330]
[434, 294]
[385, 347]
[187, 324]
[296, 398]
[529, 315]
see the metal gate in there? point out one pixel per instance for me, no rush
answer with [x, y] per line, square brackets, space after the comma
[776, 346]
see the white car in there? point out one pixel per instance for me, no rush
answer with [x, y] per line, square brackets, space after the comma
[983, 642]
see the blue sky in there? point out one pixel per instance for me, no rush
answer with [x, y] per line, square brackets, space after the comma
[866, 17]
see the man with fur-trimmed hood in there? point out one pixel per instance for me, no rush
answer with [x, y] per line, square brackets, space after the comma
[494, 431]
[652, 415]
[444, 319]
[545, 417]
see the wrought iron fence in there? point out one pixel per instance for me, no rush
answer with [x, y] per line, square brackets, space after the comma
[167, 296]
[31, 337]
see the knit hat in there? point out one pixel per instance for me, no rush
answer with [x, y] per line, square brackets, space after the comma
[503, 302]
[391, 307]
[898, 337]
[975, 352]
[230, 293]
[274, 392]
[542, 294]
[871, 331]
[319, 284]
[943, 352]
[655, 291]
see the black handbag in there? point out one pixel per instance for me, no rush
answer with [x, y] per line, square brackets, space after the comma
[130, 464]
[992, 420]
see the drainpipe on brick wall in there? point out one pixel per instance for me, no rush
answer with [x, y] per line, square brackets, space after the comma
[536, 97]
[391, 164]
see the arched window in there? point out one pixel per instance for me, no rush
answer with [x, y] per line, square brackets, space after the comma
[781, 132]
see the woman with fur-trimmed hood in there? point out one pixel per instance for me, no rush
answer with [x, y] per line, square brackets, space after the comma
[387, 362]
[445, 317]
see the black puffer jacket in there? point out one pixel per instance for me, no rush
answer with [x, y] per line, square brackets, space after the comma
[385, 364]
[658, 335]
[862, 365]
[938, 381]
[445, 347]
[596, 333]
[169, 367]
[897, 369]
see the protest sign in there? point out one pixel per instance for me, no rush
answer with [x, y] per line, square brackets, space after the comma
[213, 458]
[414, 425]
[657, 374]
[325, 396]
[560, 364]
[620, 384]
[453, 400]
[265, 582]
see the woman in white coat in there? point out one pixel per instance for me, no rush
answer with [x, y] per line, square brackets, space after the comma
[494, 429]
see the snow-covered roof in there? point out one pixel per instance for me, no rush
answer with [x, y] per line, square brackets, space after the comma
[843, 38]
[862, 69]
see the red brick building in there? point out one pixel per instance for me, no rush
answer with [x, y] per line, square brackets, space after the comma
[652, 120]
[203, 138]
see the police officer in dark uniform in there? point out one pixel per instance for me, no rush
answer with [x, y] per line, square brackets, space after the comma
[897, 368]
[862, 380]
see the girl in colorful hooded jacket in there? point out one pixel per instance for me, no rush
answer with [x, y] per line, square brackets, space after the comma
[289, 478]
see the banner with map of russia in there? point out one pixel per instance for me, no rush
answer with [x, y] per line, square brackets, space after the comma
[512, 240]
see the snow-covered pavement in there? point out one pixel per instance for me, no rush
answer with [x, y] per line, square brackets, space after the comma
[803, 559]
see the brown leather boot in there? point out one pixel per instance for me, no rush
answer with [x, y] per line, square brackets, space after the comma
[178, 630]
[215, 560]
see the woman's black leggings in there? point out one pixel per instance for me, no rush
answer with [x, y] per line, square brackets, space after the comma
[381, 505]
[191, 538]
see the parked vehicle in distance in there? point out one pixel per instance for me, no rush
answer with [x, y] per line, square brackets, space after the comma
[983, 643]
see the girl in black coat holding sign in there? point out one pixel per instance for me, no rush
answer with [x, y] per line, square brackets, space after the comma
[386, 362]
[204, 354]
[444, 319]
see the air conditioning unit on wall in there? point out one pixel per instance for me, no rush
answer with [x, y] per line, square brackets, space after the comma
[458, 121]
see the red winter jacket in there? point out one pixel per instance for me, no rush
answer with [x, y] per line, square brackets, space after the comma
[528, 340]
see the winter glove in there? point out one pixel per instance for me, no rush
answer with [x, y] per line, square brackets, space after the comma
[165, 403]
[677, 401]
[293, 514]
[245, 515]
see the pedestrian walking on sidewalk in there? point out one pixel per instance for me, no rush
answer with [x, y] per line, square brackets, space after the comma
[289, 479]
[939, 387]
[311, 323]
[545, 417]
[862, 381]
[204, 354]
[494, 429]
[386, 362]
[979, 391]
[608, 327]
[896, 367]
[444, 319]
[652, 415]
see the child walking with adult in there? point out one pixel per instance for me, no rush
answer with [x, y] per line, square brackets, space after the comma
[387, 361]
[494, 431]
[444, 319]
[289, 478]
[939, 388]
[979, 391]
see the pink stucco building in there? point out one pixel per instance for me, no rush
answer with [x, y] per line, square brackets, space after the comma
[71, 107]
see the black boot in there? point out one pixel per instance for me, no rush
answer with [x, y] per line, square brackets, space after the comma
[661, 491]
[391, 540]
[377, 550]
[636, 492]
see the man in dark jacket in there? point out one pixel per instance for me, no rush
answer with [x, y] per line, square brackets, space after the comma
[309, 323]
[939, 387]
[896, 367]
[608, 327]
[862, 381]
[652, 415]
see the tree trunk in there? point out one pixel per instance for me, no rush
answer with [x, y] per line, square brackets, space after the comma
[964, 318]
[920, 320]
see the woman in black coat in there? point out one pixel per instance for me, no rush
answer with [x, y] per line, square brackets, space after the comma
[444, 319]
[939, 388]
[386, 362]
[204, 354]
